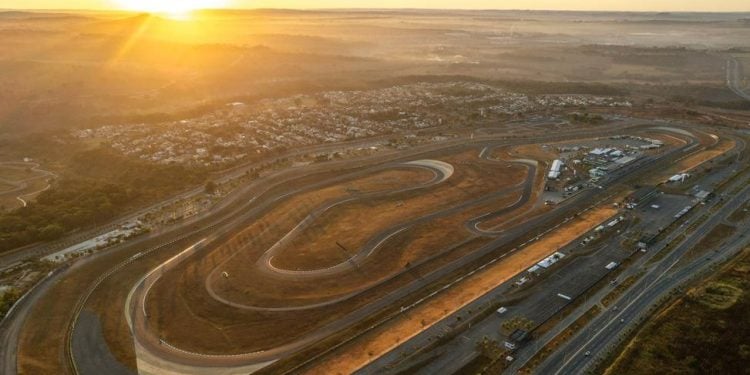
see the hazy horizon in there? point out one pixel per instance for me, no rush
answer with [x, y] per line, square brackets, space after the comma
[731, 6]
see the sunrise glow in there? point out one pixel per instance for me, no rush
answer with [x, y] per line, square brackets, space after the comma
[179, 9]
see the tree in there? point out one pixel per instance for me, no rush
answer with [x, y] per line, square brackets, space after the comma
[51, 232]
[7, 300]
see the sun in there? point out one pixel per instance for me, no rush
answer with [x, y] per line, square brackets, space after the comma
[179, 9]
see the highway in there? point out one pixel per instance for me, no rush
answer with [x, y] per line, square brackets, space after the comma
[735, 76]
[604, 332]
[10, 326]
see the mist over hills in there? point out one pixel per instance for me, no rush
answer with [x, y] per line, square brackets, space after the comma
[68, 69]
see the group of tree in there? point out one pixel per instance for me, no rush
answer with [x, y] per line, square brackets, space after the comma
[585, 118]
[71, 204]
[97, 186]
[7, 299]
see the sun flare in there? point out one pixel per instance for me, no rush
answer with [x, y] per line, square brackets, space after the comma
[179, 9]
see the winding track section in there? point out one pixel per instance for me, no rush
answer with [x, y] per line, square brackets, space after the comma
[734, 78]
[442, 171]
[137, 312]
[140, 291]
[368, 249]
[137, 299]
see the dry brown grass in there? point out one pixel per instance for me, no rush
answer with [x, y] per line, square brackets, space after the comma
[693, 161]
[668, 139]
[429, 237]
[5, 186]
[717, 295]
[694, 326]
[533, 208]
[43, 334]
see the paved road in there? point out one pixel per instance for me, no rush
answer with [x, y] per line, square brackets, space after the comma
[11, 325]
[604, 331]
[96, 359]
[605, 337]
[442, 171]
[735, 76]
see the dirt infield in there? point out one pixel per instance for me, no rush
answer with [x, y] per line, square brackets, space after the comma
[242, 297]
[186, 315]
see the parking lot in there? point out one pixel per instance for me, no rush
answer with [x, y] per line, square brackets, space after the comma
[658, 213]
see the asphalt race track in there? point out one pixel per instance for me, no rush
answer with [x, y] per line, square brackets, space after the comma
[155, 353]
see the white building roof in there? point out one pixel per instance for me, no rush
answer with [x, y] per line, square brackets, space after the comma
[550, 260]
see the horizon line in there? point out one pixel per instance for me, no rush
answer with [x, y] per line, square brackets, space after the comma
[116, 10]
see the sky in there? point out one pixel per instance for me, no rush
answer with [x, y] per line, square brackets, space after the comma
[627, 5]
